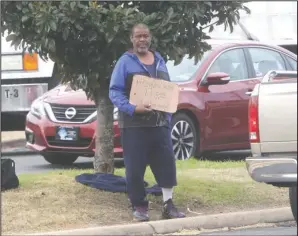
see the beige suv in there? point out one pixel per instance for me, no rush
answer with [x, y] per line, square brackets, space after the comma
[273, 132]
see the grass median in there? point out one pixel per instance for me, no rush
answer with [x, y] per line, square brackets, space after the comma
[55, 201]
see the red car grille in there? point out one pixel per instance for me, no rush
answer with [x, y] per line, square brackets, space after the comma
[82, 112]
[82, 142]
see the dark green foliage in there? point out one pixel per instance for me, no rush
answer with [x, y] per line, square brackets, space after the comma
[86, 38]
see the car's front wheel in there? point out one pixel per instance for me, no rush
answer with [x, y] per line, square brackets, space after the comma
[184, 136]
[60, 159]
[293, 200]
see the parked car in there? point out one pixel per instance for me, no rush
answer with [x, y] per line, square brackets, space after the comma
[212, 111]
[61, 126]
[273, 132]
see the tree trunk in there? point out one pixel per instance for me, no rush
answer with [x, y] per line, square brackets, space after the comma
[104, 156]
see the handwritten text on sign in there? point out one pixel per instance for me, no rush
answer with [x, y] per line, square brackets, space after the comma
[160, 94]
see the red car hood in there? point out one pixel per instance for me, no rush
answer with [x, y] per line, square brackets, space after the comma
[63, 94]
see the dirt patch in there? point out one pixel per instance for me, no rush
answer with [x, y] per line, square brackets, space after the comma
[55, 201]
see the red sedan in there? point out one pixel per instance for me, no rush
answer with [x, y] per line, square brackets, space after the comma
[212, 114]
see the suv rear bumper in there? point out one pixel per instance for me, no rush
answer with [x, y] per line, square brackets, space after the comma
[274, 170]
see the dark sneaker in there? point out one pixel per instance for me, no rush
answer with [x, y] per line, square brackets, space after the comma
[170, 211]
[140, 213]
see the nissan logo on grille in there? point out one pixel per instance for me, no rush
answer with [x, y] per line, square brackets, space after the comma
[70, 113]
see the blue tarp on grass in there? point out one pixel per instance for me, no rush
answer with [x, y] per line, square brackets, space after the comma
[112, 183]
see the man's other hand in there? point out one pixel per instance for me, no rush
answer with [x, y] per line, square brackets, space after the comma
[143, 108]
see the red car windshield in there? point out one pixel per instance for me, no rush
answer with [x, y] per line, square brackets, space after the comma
[186, 69]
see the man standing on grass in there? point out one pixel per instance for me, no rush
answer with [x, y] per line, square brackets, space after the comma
[145, 133]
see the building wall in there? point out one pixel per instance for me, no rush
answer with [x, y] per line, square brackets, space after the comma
[272, 20]
[268, 21]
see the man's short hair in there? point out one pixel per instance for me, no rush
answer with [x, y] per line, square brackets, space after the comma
[139, 25]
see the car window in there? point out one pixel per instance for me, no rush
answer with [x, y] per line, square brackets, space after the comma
[265, 60]
[231, 62]
[292, 62]
[186, 69]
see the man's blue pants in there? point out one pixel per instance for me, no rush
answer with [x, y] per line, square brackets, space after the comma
[144, 146]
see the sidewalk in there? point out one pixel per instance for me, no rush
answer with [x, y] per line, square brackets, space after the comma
[14, 143]
[8, 136]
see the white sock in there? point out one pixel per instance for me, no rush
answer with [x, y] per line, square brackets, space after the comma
[167, 193]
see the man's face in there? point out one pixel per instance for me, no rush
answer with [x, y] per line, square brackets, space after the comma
[141, 39]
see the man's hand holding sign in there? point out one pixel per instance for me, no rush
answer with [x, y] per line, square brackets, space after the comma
[154, 94]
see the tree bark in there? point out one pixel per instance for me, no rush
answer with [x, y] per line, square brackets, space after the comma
[104, 156]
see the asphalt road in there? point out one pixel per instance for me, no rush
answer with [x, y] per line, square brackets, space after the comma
[36, 163]
[266, 231]
[284, 228]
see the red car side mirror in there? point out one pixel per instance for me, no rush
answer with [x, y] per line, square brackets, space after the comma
[217, 78]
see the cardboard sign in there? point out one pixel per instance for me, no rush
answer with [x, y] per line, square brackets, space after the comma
[160, 94]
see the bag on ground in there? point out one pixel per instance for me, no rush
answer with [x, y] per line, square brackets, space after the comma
[9, 179]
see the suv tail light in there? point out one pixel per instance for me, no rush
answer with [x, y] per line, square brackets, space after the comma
[253, 116]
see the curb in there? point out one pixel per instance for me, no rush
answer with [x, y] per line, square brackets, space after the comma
[15, 147]
[235, 219]
[16, 152]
